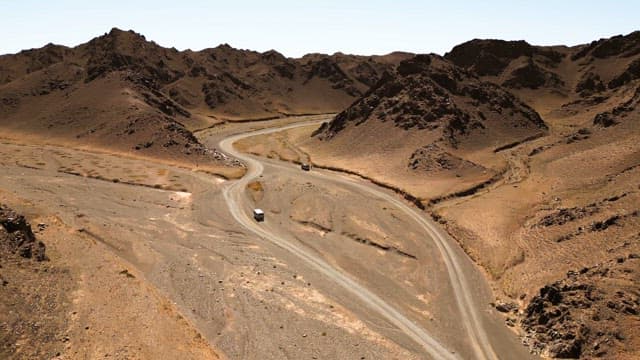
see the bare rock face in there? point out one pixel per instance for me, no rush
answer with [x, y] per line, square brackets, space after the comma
[433, 158]
[430, 93]
[494, 57]
[587, 314]
[532, 76]
[618, 113]
[97, 88]
[632, 72]
[127, 50]
[590, 84]
[491, 57]
[17, 237]
[621, 45]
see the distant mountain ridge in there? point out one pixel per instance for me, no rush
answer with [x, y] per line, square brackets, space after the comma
[590, 73]
[216, 80]
[120, 91]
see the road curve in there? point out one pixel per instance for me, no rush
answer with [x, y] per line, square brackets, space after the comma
[236, 200]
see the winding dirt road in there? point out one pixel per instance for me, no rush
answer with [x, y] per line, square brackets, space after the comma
[240, 206]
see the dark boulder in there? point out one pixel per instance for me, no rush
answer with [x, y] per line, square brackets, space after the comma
[17, 237]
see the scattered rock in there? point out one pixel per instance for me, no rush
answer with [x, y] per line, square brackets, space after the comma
[595, 305]
[505, 307]
[604, 120]
[565, 215]
[126, 273]
[604, 224]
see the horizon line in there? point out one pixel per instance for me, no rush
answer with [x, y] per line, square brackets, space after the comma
[339, 52]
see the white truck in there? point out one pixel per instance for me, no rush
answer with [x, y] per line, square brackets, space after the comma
[258, 214]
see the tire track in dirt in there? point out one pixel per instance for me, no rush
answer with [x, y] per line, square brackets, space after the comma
[234, 195]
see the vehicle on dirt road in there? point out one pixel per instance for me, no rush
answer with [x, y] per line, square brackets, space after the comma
[305, 167]
[258, 214]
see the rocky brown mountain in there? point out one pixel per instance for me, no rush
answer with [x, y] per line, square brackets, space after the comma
[515, 64]
[594, 71]
[122, 92]
[430, 94]
[527, 155]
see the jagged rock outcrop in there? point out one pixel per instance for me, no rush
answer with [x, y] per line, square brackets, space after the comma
[532, 76]
[491, 57]
[632, 72]
[589, 84]
[618, 113]
[433, 158]
[620, 45]
[588, 313]
[17, 237]
[429, 93]
[516, 64]
[212, 77]
[584, 76]
[127, 50]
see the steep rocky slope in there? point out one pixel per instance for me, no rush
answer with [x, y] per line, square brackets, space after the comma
[549, 76]
[515, 64]
[429, 93]
[124, 93]
[427, 119]
[222, 81]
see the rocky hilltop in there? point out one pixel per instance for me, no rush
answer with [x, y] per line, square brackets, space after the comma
[428, 94]
[221, 81]
[122, 92]
[514, 64]
[590, 73]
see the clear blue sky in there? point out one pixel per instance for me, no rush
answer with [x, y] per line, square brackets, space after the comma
[298, 27]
